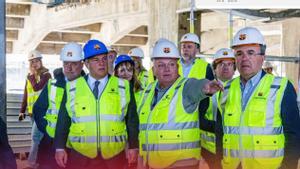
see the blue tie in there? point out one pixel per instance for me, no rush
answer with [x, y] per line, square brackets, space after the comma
[96, 90]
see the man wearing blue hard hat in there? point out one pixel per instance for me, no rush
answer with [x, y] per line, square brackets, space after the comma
[99, 117]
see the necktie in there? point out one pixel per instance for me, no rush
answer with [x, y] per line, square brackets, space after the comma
[96, 90]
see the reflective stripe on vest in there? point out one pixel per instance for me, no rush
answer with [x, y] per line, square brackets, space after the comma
[143, 78]
[255, 133]
[98, 125]
[197, 71]
[255, 153]
[55, 95]
[208, 139]
[93, 139]
[170, 147]
[167, 132]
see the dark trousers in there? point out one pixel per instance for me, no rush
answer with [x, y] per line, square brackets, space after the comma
[78, 161]
[46, 154]
[213, 160]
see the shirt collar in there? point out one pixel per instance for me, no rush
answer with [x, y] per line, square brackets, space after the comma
[186, 65]
[254, 80]
[92, 80]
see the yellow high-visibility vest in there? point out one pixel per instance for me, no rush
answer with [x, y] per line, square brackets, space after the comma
[253, 137]
[55, 95]
[98, 125]
[143, 78]
[32, 96]
[198, 70]
[167, 132]
[208, 139]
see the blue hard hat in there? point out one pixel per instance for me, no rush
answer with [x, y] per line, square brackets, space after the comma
[93, 48]
[122, 58]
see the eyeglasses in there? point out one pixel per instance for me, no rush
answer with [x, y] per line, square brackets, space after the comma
[222, 64]
[162, 66]
[250, 53]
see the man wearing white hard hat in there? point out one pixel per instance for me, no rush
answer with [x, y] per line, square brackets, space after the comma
[190, 66]
[37, 78]
[142, 74]
[111, 56]
[261, 121]
[268, 67]
[211, 126]
[169, 122]
[48, 104]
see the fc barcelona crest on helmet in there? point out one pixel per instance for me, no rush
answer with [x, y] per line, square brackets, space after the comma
[242, 37]
[225, 53]
[97, 47]
[167, 50]
[69, 54]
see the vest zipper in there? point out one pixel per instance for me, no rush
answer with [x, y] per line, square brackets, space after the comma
[97, 125]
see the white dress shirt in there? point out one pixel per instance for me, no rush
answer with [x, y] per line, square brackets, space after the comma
[91, 82]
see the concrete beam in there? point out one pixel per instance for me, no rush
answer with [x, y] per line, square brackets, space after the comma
[123, 49]
[36, 28]
[48, 48]
[29, 2]
[17, 9]
[96, 27]
[67, 37]
[132, 40]
[13, 22]
[142, 30]
[12, 34]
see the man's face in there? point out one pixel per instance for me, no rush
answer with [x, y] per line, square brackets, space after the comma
[97, 66]
[166, 70]
[72, 70]
[188, 50]
[249, 60]
[111, 57]
[225, 70]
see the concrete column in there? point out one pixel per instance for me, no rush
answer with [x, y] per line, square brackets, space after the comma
[2, 62]
[291, 45]
[163, 20]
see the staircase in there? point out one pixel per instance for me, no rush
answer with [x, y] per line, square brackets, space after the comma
[19, 133]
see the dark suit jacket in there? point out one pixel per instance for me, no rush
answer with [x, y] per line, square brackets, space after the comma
[7, 157]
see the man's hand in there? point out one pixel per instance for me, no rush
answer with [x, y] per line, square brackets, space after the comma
[212, 87]
[132, 156]
[61, 158]
[22, 116]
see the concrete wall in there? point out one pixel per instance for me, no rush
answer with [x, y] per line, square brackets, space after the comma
[290, 46]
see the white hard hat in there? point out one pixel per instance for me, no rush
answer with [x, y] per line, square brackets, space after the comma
[224, 53]
[110, 49]
[248, 35]
[136, 52]
[34, 54]
[267, 65]
[71, 52]
[190, 37]
[165, 49]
